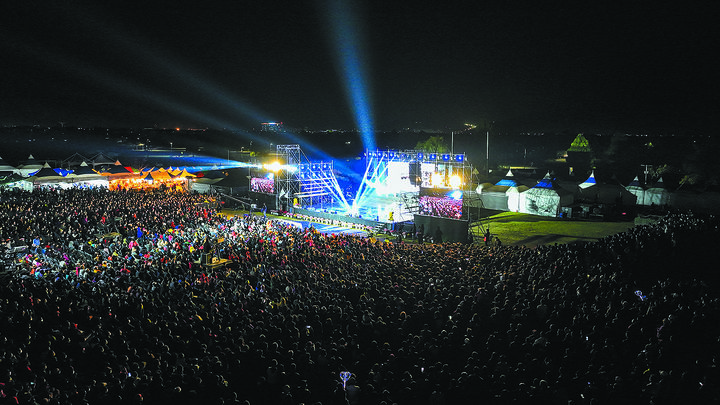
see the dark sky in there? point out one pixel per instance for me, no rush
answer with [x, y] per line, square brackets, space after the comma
[538, 67]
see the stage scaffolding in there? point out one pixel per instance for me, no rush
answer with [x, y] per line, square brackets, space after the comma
[306, 183]
[393, 178]
[446, 165]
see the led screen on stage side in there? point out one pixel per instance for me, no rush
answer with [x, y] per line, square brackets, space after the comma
[441, 203]
[398, 177]
[262, 185]
[426, 172]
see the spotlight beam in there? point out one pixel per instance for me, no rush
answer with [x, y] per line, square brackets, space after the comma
[345, 39]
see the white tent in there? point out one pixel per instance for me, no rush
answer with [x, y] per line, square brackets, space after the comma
[513, 197]
[589, 182]
[545, 198]
[657, 194]
[637, 190]
[590, 191]
[85, 175]
[29, 167]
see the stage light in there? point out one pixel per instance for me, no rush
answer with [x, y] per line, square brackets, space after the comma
[420, 156]
[446, 157]
[436, 180]
[456, 195]
[273, 167]
[458, 158]
[455, 181]
[347, 41]
[433, 156]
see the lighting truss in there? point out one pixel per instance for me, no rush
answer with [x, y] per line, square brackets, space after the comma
[312, 183]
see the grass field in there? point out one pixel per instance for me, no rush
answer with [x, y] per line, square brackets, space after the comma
[530, 230]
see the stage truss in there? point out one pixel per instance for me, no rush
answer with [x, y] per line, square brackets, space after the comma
[393, 179]
[306, 183]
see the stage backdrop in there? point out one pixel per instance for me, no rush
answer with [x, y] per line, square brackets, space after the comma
[450, 230]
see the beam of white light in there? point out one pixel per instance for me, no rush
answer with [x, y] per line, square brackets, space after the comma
[347, 46]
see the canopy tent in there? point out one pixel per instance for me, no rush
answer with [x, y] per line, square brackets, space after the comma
[48, 175]
[75, 160]
[604, 193]
[636, 189]
[17, 181]
[657, 194]
[101, 160]
[589, 182]
[494, 197]
[508, 180]
[29, 167]
[545, 198]
[84, 174]
[513, 197]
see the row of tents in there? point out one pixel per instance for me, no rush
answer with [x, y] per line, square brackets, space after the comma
[33, 174]
[548, 197]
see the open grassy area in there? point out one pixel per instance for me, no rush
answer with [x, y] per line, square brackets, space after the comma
[530, 230]
[524, 229]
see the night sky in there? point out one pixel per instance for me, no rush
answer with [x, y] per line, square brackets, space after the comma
[578, 66]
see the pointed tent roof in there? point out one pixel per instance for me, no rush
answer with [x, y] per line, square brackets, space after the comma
[185, 173]
[74, 160]
[548, 183]
[85, 172]
[160, 174]
[508, 180]
[659, 184]
[47, 173]
[30, 165]
[589, 182]
[115, 168]
[635, 183]
[101, 159]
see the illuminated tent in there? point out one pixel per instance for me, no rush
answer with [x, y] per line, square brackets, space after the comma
[85, 173]
[545, 198]
[185, 173]
[47, 175]
[29, 167]
[160, 174]
[513, 196]
[493, 196]
[657, 194]
[116, 171]
[17, 181]
[636, 189]
[602, 193]
[589, 182]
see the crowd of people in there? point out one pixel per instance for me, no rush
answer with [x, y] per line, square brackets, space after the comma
[106, 299]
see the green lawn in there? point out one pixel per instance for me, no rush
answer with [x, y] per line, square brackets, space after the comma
[531, 230]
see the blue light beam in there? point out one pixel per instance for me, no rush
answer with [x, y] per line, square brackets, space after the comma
[344, 35]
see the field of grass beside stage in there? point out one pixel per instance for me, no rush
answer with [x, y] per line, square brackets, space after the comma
[530, 230]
